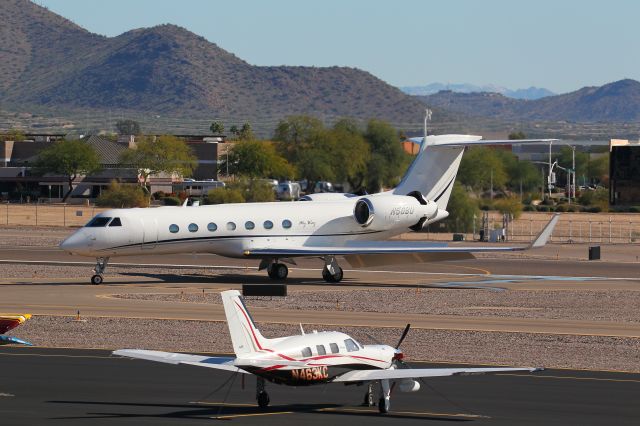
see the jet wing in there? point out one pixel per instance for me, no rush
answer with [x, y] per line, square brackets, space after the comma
[415, 373]
[220, 363]
[395, 247]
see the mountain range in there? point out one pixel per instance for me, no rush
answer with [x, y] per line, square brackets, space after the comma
[614, 102]
[530, 93]
[53, 63]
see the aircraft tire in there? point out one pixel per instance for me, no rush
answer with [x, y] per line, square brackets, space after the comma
[382, 406]
[326, 275]
[338, 276]
[96, 279]
[278, 271]
[263, 399]
[332, 278]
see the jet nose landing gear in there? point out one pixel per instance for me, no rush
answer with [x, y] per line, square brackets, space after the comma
[332, 272]
[101, 265]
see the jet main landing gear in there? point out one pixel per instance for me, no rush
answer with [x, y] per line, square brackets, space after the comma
[278, 271]
[262, 397]
[332, 272]
[101, 265]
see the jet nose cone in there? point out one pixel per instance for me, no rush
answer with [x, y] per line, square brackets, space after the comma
[74, 243]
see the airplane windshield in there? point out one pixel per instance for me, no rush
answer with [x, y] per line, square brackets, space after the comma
[98, 222]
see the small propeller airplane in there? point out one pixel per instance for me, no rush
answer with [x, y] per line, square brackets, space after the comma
[310, 359]
[323, 226]
[9, 322]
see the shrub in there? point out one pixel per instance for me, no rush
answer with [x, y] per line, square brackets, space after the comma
[224, 196]
[634, 209]
[511, 205]
[171, 201]
[573, 208]
[122, 196]
[562, 208]
[159, 194]
[594, 209]
[529, 208]
[542, 208]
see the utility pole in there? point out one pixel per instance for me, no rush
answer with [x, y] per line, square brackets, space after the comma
[427, 117]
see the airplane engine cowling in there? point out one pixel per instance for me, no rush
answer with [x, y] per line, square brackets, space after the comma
[409, 385]
[381, 212]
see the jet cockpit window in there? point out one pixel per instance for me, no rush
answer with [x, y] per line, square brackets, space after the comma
[268, 224]
[98, 222]
[351, 345]
[306, 352]
[321, 350]
[174, 228]
[334, 348]
[193, 227]
[286, 224]
[212, 227]
[115, 222]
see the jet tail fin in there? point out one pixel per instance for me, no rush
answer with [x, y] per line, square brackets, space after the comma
[246, 338]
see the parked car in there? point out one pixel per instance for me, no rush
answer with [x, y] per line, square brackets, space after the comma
[288, 191]
[324, 186]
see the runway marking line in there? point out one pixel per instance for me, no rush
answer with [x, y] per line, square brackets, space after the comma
[595, 379]
[57, 355]
[408, 413]
[234, 416]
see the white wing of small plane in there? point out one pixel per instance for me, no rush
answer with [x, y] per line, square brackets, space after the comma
[220, 363]
[394, 247]
[414, 373]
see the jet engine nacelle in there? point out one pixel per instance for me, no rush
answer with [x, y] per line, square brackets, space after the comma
[409, 385]
[397, 210]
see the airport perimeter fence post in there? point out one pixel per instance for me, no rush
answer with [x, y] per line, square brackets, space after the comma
[630, 232]
[36, 214]
[609, 229]
[64, 215]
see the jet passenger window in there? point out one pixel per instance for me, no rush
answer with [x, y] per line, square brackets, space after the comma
[249, 225]
[193, 227]
[231, 226]
[286, 224]
[98, 222]
[351, 345]
[321, 350]
[115, 222]
[306, 352]
[334, 348]
[268, 224]
[174, 228]
[212, 227]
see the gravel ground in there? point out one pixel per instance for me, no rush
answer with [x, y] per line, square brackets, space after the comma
[59, 272]
[521, 349]
[611, 305]
[40, 236]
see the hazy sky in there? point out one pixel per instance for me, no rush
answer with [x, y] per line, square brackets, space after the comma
[559, 44]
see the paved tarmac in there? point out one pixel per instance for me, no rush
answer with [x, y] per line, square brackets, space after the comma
[63, 386]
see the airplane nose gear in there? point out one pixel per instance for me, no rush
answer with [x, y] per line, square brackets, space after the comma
[261, 395]
[101, 265]
[332, 272]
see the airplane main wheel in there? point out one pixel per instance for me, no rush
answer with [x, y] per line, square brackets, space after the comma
[96, 279]
[278, 271]
[332, 278]
[382, 406]
[263, 399]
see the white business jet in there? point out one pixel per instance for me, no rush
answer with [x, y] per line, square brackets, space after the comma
[324, 226]
[310, 359]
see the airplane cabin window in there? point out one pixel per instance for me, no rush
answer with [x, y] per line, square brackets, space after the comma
[193, 227]
[286, 224]
[249, 225]
[334, 348]
[351, 345]
[321, 350]
[306, 352]
[212, 227]
[174, 228]
[231, 226]
[98, 222]
[115, 222]
[268, 224]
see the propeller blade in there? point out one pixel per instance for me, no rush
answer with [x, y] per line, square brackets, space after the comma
[404, 334]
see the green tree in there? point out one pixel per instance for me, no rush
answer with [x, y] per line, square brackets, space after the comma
[517, 135]
[565, 159]
[598, 170]
[217, 128]
[225, 196]
[234, 131]
[387, 160]
[255, 159]
[509, 205]
[13, 135]
[481, 165]
[71, 159]
[246, 132]
[350, 153]
[122, 196]
[164, 154]
[462, 210]
[128, 127]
